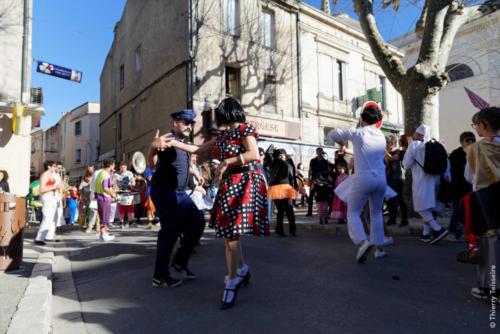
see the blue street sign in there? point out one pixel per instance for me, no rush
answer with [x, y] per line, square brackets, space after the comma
[59, 71]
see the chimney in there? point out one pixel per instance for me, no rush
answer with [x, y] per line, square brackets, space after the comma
[325, 6]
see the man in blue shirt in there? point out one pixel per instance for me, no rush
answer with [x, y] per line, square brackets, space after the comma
[177, 212]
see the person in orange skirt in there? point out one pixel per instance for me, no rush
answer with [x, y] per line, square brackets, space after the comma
[281, 191]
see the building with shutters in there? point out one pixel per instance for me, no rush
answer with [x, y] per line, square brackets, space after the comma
[281, 58]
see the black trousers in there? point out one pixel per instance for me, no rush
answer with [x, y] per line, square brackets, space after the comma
[284, 206]
[393, 204]
[310, 200]
[178, 215]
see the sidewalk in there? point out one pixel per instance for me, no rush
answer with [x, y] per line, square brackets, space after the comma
[13, 284]
[312, 223]
[27, 292]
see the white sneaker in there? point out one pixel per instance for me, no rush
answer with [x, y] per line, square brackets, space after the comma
[363, 252]
[380, 253]
[388, 241]
[107, 237]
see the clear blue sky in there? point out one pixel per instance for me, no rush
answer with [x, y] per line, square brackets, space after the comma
[78, 33]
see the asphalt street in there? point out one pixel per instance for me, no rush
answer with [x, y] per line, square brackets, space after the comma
[309, 284]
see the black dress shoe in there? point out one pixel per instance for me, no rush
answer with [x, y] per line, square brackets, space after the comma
[293, 234]
[226, 302]
[40, 243]
[404, 223]
[390, 222]
[283, 235]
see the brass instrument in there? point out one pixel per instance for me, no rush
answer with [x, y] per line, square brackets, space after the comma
[139, 162]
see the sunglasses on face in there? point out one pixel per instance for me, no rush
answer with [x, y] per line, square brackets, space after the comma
[469, 140]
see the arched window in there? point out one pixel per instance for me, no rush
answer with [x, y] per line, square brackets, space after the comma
[459, 71]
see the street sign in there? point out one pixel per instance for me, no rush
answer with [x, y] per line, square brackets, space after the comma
[59, 71]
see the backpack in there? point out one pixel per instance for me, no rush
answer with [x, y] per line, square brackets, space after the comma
[436, 158]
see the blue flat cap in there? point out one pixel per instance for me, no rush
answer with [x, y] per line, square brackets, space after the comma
[187, 115]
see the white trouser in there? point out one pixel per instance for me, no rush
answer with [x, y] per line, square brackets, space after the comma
[113, 213]
[49, 210]
[366, 186]
[427, 215]
[92, 216]
[60, 212]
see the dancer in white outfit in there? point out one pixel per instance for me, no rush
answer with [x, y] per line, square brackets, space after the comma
[368, 182]
[424, 186]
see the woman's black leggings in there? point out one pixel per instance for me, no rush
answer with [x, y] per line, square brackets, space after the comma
[284, 206]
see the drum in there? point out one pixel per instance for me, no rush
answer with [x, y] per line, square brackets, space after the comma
[126, 198]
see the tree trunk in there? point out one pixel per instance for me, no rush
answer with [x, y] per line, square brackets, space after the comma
[420, 107]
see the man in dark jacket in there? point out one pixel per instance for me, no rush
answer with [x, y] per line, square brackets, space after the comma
[459, 186]
[317, 167]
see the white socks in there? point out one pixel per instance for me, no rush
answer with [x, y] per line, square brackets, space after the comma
[435, 226]
[243, 270]
[231, 283]
[228, 295]
[427, 229]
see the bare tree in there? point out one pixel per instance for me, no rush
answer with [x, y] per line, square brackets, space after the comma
[437, 27]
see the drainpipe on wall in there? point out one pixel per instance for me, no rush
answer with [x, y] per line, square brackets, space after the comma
[25, 46]
[189, 72]
[299, 65]
[299, 79]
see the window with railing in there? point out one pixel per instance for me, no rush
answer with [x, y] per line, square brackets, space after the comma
[231, 11]
[267, 28]
[270, 93]
[78, 128]
[78, 155]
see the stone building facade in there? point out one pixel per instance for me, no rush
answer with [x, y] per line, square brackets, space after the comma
[268, 54]
[80, 139]
[73, 140]
[15, 93]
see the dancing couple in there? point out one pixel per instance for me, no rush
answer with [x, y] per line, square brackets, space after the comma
[240, 206]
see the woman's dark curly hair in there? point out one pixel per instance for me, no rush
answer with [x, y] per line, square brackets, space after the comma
[229, 111]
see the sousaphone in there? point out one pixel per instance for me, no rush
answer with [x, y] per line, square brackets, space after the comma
[139, 162]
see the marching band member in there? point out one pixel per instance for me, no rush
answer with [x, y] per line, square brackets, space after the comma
[48, 189]
[104, 193]
[126, 182]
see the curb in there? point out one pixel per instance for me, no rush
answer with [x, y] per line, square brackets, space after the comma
[34, 312]
[341, 229]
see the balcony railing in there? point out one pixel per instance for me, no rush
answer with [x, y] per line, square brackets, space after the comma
[36, 95]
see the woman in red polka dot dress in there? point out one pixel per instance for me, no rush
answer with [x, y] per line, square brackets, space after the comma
[240, 206]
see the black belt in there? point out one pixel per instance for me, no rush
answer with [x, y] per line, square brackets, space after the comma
[239, 170]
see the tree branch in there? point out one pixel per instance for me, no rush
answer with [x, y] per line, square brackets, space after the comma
[433, 31]
[391, 65]
[419, 28]
[484, 9]
[454, 19]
